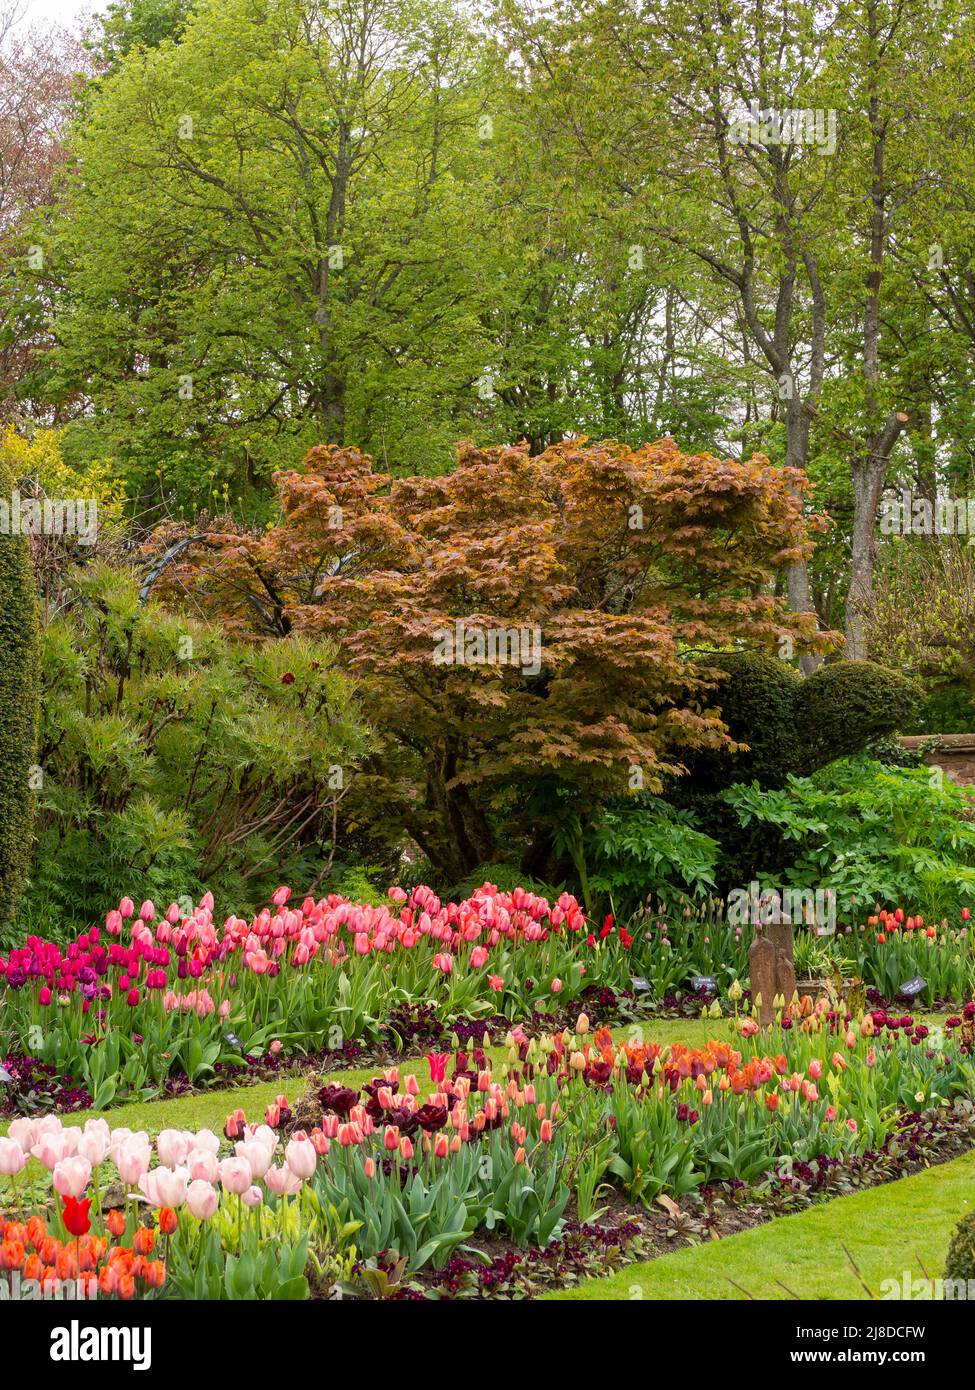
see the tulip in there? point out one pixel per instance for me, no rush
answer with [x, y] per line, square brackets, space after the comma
[301, 1158]
[166, 1187]
[144, 1240]
[256, 1156]
[71, 1176]
[202, 1199]
[202, 1166]
[12, 1159]
[115, 1221]
[132, 1160]
[75, 1215]
[235, 1175]
[282, 1181]
[172, 1147]
[253, 1197]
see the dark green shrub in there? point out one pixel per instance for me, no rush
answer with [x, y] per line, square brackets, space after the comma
[796, 726]
[18, 705]
[946, 709]
[960, 1263]
[844, 706]
[792, 727]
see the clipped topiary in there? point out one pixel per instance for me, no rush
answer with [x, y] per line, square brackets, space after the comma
[792, 725]
[19, 663]
[846, 705]
[961, 1252]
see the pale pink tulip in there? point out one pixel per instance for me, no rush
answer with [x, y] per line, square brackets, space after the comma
[132, 1160]
[203, 1166]
[12, 1158]
[202, 1199]
[282, 1181]
[301, 1157]
[172, 1148]
[235, 1174]
[165, 1187]
[71, 1176]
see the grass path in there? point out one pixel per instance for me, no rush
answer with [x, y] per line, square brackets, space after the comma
[902, 1226]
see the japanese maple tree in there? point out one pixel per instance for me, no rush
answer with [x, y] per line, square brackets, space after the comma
[614, 572]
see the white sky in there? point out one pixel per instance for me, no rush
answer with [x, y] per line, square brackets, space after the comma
[65, 12]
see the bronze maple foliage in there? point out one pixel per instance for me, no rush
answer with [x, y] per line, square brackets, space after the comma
[629, 565]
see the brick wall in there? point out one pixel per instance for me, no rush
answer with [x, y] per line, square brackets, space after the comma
[954, 753]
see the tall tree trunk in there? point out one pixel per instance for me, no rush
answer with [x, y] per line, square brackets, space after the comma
[869, 475]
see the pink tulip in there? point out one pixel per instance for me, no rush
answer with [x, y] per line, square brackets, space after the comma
[301, 1157]
[172, 1148]
[280, 896]
[148, 910]
[93, 1146]
[23, 1130]
[282, 1181]
[202, 1165]
[256, 1156]
[479, 957]
[202, 1199]
[12, 1158]
[71, 1176]
[253, 1197]
[166, 1187]
[51, 1149]
[132, 1160]
[235, 1174]
[126, 907]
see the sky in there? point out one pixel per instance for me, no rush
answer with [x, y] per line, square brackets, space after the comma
[66, 12]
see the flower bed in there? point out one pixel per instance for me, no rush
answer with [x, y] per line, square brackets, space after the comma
[360, 1189]
[125, 1007]
[146, 1004]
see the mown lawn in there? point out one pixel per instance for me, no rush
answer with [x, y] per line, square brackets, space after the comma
[903, 1226]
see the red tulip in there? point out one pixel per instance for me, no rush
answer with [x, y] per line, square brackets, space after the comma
[437, 1062]
[75, 1212]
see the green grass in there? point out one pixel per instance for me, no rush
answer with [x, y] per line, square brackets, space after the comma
[904, 1225]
